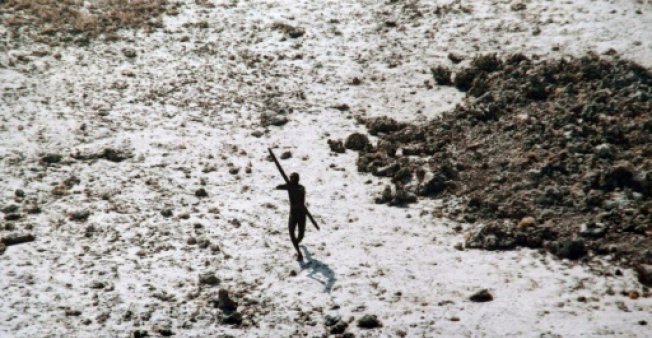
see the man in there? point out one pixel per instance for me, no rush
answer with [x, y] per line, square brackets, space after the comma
[298, 210]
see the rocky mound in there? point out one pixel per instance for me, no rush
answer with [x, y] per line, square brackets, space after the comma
[554, 154]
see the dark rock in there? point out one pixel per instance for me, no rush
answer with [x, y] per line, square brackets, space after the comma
[442, 75]
[342, 107]
[403, 197]
[3, 248]
[51, 158]
[487, 63]
[455, 58]
[73, 313]
[10, 209]
[19, 193]
[278, 120]
[291, 31]
[569, 249]
[233, 318]
[129, 52]
[285, 155]
[593, 230]
[519, 6]
[336, 146]
[357, 141]
[14, 239]
[383, 125]
[644, 272]
[369, 322]
[116, 155]
[79, 215]
[224, 303]
[201, 193]
[139, 334]
[464, 78]
[208, 278]
[481, 296]
[166, 213]
[339, 327]
[13, 217]
[331, 320]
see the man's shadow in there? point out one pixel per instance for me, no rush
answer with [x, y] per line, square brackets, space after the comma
[318, 267]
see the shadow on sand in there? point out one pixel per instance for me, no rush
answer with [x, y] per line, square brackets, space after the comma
[319, 271]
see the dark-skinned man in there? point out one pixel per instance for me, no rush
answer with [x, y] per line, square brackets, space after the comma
[298, 210]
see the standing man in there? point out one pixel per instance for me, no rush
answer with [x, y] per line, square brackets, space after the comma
[298, 211]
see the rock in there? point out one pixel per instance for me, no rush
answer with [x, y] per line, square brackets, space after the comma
[19, 193]
[357, 141]
[369, 322]
[274, 120]
[455, 58]
[383, 125]
[403, 197]
[129, 52]
[490, 237]
[519, 6]
[208, 278]
[14, 239]
[13, 217]
[481, 296]
[73, 313]
[79, 215]
[593, 230]
[331, 320]
[644, 273]
[224, 303]
[526, 222]
[339, 327]
[464, 78]
[487, 63]
[139, 334]
[201, 193]
[285, 155]
[191, 241]
[233, 318]
[166, 213]
[569, 248]
[337, 146]
[604, 150]
[116, 155]
[10, 209]
[3, 248]
[618, 176]
[51, 158]
[442, 75]
[342, 107]
[291, 31]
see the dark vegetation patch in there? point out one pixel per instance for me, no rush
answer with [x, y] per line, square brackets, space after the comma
[76, 21]
[554, 154]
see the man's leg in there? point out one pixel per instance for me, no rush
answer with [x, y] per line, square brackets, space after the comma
[293, 238]
[302, 226]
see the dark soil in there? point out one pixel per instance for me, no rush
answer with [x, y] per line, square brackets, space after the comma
[554, 154]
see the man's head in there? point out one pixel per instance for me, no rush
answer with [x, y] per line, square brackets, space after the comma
[294, 178]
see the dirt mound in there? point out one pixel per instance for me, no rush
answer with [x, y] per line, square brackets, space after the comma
[540, 152]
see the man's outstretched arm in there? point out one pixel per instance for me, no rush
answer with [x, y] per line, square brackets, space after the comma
[282, 187]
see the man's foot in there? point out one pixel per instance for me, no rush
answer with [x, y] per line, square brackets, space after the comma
[300, 257]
